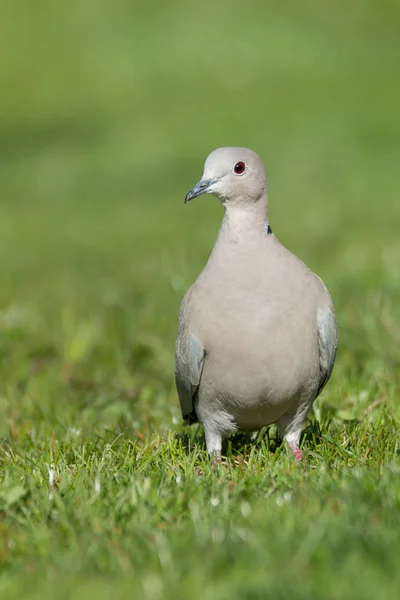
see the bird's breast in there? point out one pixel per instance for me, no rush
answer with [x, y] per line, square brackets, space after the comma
[260, 337]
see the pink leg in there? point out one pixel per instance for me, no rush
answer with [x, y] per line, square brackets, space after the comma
[296, 451]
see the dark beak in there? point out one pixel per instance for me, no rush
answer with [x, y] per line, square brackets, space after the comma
[200, 188]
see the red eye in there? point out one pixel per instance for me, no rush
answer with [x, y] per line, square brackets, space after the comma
[239, 168]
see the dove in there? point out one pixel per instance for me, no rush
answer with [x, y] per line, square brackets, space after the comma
[257, 332]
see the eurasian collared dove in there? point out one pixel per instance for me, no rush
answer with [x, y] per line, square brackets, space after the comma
[257, 331]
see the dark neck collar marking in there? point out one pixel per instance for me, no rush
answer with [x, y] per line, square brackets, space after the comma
[269, 230]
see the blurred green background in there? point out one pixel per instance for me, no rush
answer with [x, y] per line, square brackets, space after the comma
[108, 111]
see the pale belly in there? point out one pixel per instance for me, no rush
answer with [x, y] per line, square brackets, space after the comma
[256, 375]
[261, 342]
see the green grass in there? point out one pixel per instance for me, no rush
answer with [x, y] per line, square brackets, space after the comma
[108, 112]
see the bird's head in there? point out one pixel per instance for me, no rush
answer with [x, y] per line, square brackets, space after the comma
[234, 175]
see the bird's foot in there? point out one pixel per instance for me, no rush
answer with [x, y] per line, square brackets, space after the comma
[296, 451]
[216, 461]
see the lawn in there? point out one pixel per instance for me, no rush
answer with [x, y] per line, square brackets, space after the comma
[108, 112]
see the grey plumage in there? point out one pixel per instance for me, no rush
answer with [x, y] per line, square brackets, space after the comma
[257, 332]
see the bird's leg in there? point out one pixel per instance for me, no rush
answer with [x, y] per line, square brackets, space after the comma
[213, 443]
[291, 427]
[215, 423]
[296, 451]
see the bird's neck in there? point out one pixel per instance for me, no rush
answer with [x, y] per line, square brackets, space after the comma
[246, 218]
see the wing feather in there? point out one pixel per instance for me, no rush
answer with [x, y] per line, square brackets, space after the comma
[189, 361]
[327, 343]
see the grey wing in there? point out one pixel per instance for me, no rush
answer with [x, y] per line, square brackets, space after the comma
[327, 343]
[189, 360]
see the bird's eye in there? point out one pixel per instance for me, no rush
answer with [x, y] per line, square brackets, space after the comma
[239, 168]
